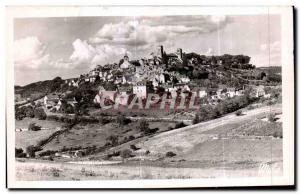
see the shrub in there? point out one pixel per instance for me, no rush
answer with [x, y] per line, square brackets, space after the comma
[277, 134]
[40, 114]
[29, 111]
[143, 125]
[271, 117]
[250, 107]
[130, 138]
[133, 147]
[113, 140]
[122, 120]
[170, 154]
[20, 112]
[47, 153]
[238, 113]
[126, 153]
[103, 120]
[179, 125]
[151, 131]
[34, 127]
[19, 153]
[196, 119]
[30, 150]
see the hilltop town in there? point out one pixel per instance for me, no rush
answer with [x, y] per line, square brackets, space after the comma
[211, 78]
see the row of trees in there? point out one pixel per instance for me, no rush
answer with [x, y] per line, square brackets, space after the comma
[209, 112]
[31, 112]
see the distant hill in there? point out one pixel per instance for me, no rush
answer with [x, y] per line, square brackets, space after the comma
[39, 88]
[271, 69]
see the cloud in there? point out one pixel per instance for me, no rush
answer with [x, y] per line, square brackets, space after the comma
[30, 53]
[270, 54]
[85, 55]
[149, 30]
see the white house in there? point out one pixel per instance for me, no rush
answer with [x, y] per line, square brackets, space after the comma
[140, 90]
[51, 100]
[202, 93]
[230, 92]
[185, 79]
[162, 78]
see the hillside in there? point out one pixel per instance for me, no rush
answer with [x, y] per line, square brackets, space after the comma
[39, 88]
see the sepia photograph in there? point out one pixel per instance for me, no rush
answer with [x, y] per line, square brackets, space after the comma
[151, 97]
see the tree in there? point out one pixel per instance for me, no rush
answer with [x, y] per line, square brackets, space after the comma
[170, 154]
[113, 140]
[30, 150]
[122, 120]
[19, 153]
[271, 117]
[196, 119]
[126, 153]
[40, 114]
[238, 113]
[143, 125]
[179, 125]
[29, 111]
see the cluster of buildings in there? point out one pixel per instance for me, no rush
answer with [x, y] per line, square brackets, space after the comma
[149, 75]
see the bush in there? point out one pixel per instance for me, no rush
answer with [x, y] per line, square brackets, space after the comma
[277, 134]
[113, 140]
[130, 138]
[170, 154]
[34, 127]
[271, 117]
[29, 112]
[151, 131]
[47, 153]
[19, 153]
[122, 120]
[30, 150]
[40, 114]
[179, 125]
[133, 147]
[143, 125]
[250, 107]
[126, 153]
[238, 113]
[103, 120]
[196, 119]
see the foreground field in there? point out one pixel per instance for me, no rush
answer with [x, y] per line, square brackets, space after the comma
[39, 170]
[231, 146]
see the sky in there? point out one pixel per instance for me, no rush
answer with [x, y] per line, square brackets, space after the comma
[45, 48]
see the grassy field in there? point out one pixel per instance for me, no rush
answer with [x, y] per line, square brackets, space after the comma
[96, 134]
[231, 146]
[27, 138]
[39, 170]
[43, 123]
